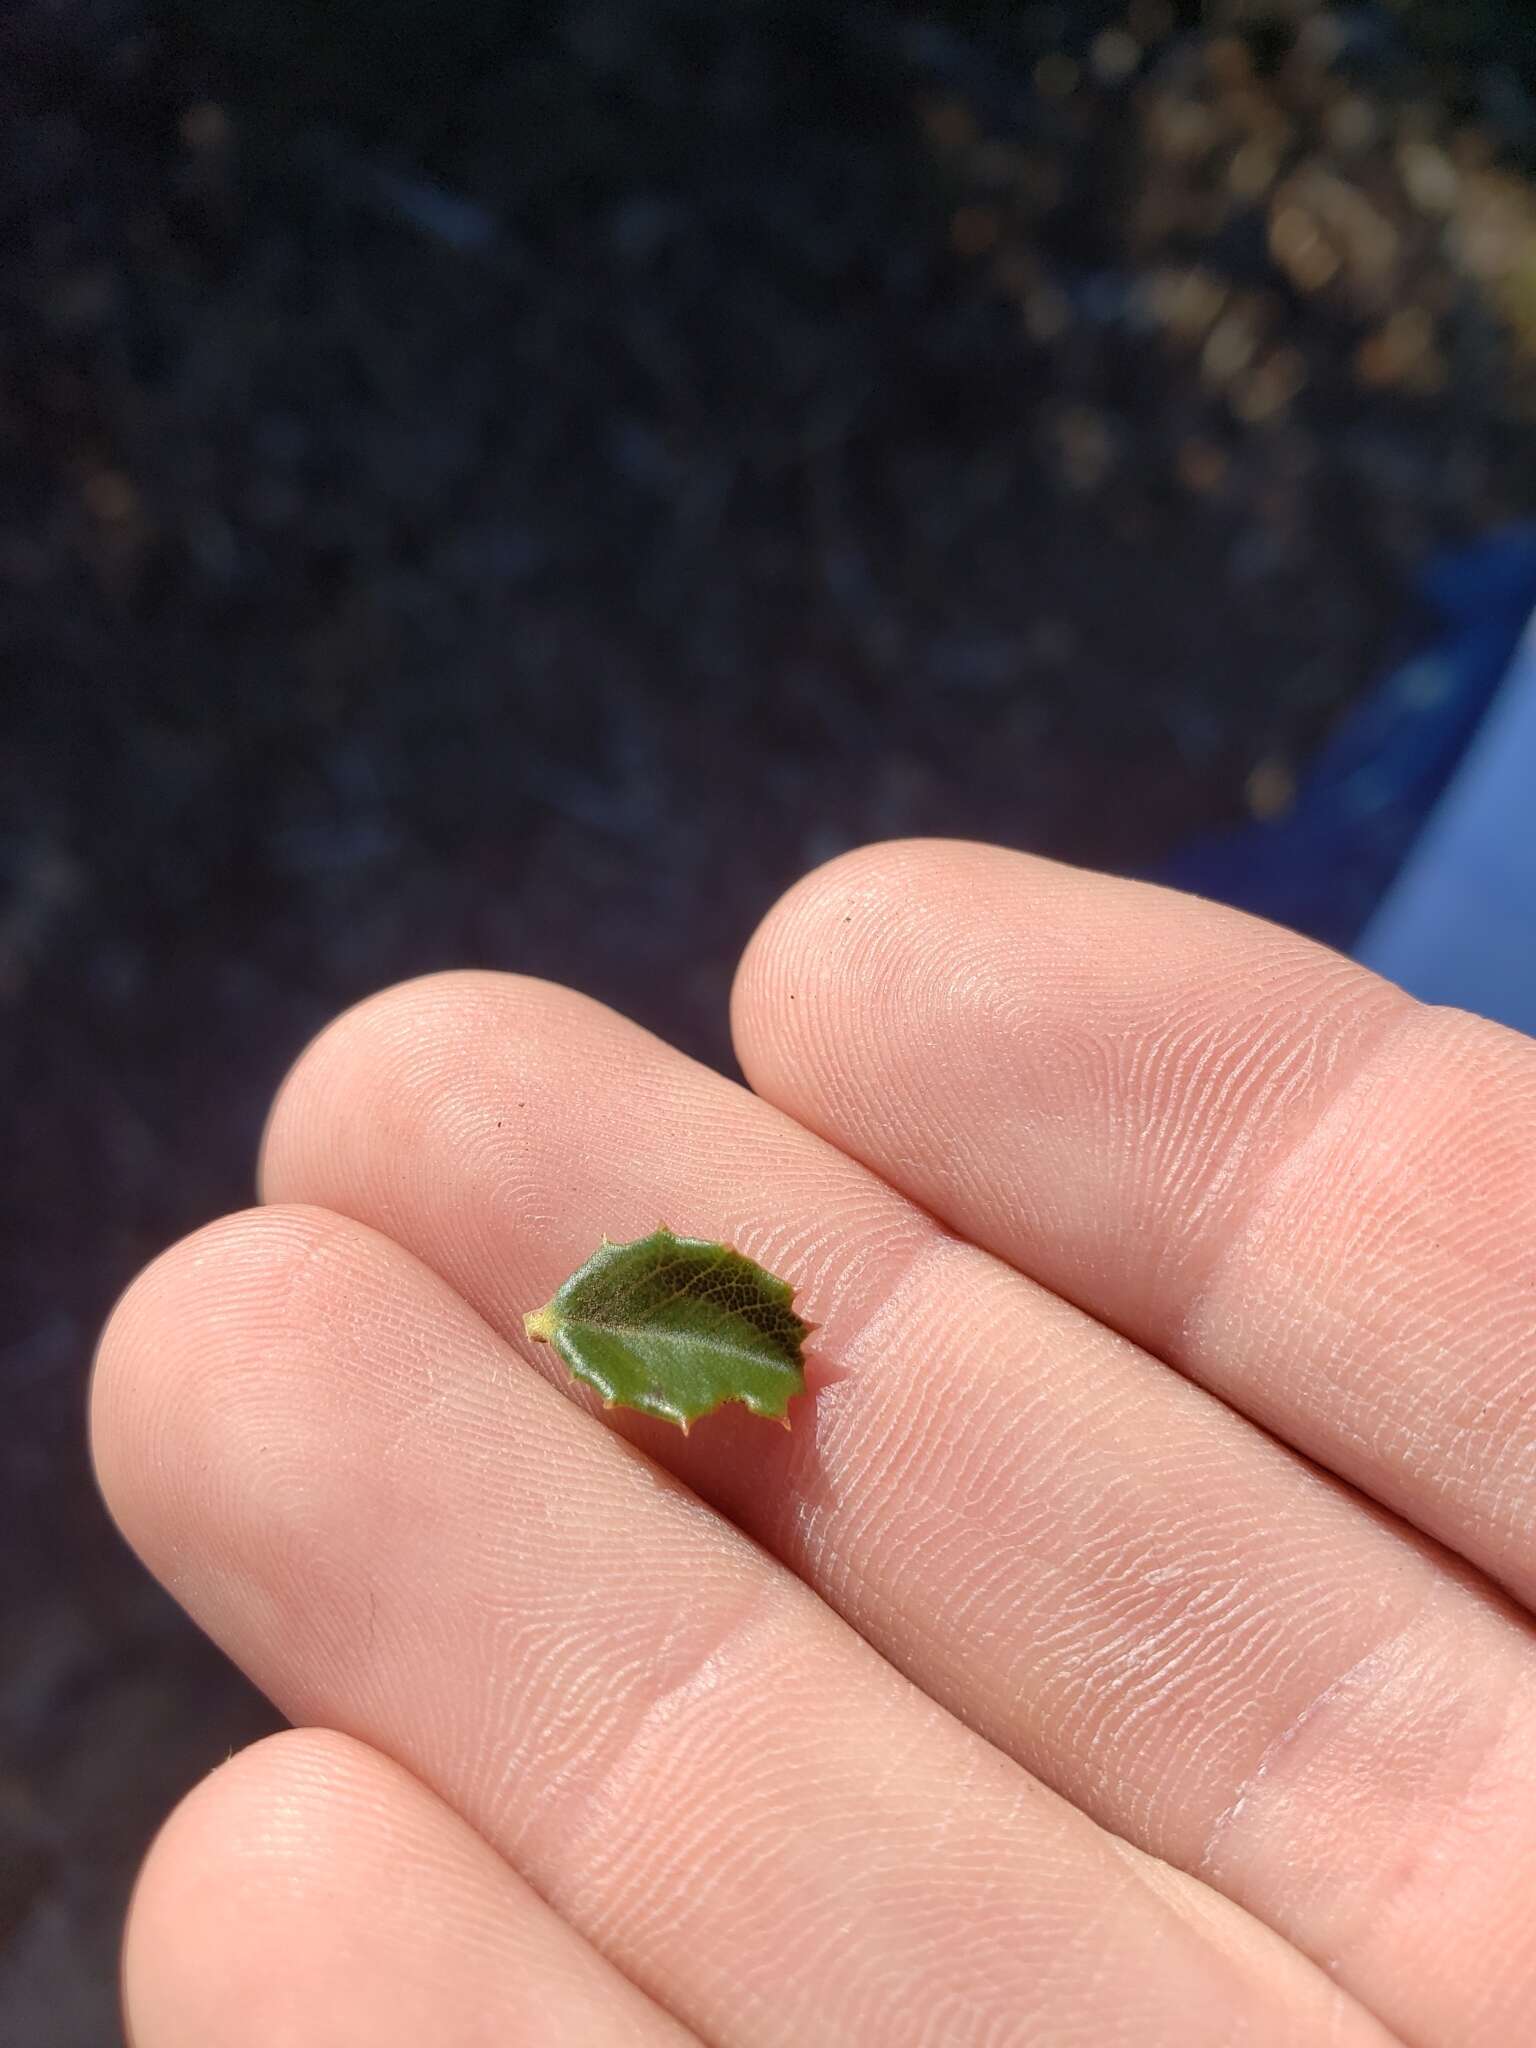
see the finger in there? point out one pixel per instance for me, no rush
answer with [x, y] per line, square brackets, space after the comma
[312, 1891]
[401, 1532]
[1311, 1194]
[1102, 1569]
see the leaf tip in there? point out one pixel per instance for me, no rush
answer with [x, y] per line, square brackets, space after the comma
[539, 1324]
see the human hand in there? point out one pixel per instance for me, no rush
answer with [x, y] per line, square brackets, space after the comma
[1047, 1698]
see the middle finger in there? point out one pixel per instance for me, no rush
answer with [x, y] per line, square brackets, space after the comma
[1214, 1650]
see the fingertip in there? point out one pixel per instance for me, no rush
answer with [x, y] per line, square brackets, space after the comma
[840, 934]
[136, 1392]
[312, 1889]
[221, 1863]
[204, 1390]
[386, 1021]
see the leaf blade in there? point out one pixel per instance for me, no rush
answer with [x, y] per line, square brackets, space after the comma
[676, 1327]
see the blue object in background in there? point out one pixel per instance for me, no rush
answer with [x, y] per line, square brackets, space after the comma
[1459, 923]
[1413, 835]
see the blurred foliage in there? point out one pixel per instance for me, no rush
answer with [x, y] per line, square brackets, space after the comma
[341, 41]
[428, 77]
[413, 75]
[1474, 31]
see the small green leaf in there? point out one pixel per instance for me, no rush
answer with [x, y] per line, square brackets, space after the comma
[676, 1326]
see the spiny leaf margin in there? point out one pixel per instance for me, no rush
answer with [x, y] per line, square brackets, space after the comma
[676, 1327]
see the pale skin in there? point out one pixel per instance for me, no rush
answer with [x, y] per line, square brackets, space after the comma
[1128, 1647]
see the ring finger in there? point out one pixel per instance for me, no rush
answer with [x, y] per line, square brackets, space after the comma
[402, 1533]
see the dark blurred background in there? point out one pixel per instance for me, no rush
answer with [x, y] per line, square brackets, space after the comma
[517, 485]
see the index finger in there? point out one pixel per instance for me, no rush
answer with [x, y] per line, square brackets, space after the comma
[1313, 1195]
